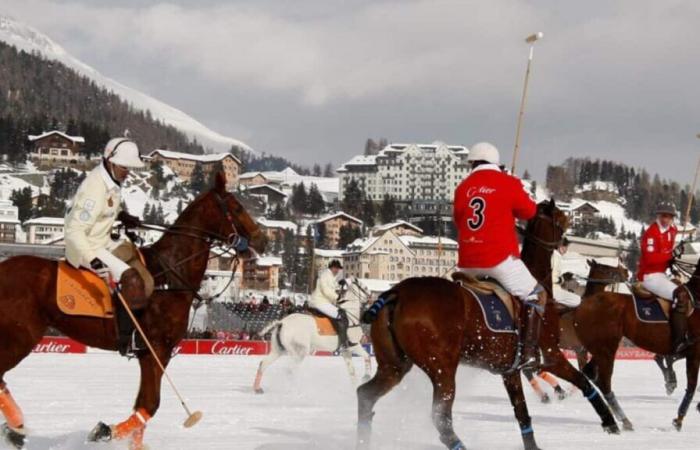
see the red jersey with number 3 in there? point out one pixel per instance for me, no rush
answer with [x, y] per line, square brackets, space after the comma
[657, 250]
[486, 205]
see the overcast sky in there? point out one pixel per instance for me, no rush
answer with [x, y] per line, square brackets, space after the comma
[312, 79]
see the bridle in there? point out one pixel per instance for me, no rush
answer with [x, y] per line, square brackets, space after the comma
[547, 245]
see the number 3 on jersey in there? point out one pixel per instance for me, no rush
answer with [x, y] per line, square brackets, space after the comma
[478, 206]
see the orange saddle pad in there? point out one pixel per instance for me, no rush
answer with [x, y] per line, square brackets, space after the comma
[82, 293]
[324, 326]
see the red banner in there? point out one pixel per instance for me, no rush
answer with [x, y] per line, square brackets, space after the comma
[59, 345]
[624, 353]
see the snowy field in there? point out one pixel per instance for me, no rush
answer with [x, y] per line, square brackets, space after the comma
[64, 396]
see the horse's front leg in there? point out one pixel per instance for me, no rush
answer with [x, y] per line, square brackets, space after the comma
[347, 357]
[692, 364]
[360, 350]
[147, 403]
[517, 399]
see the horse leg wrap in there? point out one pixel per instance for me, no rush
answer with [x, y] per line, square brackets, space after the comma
[133, 426]
[601, 408]
[615, 406]
[10, 409]
[546, 376]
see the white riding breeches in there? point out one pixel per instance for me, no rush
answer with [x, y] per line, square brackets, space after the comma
[659, 284]
[564, 297]
[512, 274]
[327, 309]
[115, 265]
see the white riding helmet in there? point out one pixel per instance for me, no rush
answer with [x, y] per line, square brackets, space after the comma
[123, 152]
[483, 151]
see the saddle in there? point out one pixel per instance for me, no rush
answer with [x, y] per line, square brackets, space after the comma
[324, 325]
[80, 292]
[649, 307]
[499, 309]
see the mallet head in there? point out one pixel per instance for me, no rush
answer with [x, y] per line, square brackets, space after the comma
[534, 37]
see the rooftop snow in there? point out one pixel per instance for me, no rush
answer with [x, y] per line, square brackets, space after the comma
[214, 157]
[77, 139]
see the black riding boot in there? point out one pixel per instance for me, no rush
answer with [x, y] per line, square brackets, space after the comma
[679, 321]
[530, 336]
[341, 327]
[129, 341]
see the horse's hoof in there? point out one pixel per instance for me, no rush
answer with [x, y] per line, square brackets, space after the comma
[611, 429]
[677, 424]
[627, 425]
[545, 398]
[670, 388]
[14, 438]
[101, 433]
[259, 391]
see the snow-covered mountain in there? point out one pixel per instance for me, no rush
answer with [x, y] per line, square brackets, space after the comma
[29, 39]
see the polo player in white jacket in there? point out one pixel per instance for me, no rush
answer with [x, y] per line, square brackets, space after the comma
[325, 297]
[88, 228]
[561, 295]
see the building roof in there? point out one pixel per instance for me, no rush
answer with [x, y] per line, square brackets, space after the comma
[427, 240]
[246, 175]
[326, 253]
[267, 261]
[398, 223]
[284, 224]
[213, 157]
[336, 215]
[361, 245]
[46, 221]
[76, 139]
[266, 186]
[371, 160]
[375, 285]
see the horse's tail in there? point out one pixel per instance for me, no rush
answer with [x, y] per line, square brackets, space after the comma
[276, 328]
[384, 299]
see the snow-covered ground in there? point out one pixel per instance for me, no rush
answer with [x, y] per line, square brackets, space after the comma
[65, 395]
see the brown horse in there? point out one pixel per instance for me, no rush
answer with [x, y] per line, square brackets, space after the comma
[178, 260]
[436, 324]
[601, 322]
[599, 277]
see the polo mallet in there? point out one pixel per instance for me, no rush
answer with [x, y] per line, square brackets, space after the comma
[192, 417]
[691, 195]
[530, 40]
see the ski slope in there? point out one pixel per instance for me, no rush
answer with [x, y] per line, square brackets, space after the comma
[64, 396]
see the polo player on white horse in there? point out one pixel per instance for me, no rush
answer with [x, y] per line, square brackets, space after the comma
[324, 299]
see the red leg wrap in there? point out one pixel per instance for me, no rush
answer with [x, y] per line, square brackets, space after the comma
[132, 426]
[10, 409]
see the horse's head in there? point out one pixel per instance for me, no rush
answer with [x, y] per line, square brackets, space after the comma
[615, 274]
[353, 290]
[222, 215]
[548, 226]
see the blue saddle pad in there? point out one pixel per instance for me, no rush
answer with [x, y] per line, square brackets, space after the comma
[496, 315]
[649, 311]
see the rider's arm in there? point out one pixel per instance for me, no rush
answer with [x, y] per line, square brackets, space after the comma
[82, 216]
[524, 207]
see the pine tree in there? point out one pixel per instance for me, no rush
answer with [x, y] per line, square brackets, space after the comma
[353, 197]
[316, 204]
[387, 210]
[197, 182]
[316, 171]
[180, 207]
[22, 199]
[279, 212]
[328, 171]
[347, 234]
[368, 212]
[526, 175]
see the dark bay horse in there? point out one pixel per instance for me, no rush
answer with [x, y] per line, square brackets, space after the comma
[179, 259]
[435, 324]
[605, 318]
[599, 277]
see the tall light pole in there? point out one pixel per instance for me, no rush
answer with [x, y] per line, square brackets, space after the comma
[532, 39]
[691, 194]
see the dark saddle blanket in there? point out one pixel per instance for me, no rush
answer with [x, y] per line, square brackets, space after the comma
[498, 313]
[648, 307]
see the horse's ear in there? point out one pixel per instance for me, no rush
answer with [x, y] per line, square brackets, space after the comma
[591, 262]
[220, 183]
[552, 204]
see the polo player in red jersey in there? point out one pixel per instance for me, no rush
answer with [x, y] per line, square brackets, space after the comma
[657, 246]
[486, 205]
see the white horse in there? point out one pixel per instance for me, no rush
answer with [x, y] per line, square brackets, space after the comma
[298, 336]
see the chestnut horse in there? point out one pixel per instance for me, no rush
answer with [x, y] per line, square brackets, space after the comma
[436, 324]
[601, 322]
[178, 260]
[599, 277]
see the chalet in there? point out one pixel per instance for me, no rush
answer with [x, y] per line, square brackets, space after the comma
[270, 194]
[583, 213]
[274, 229]
[330, 225]
[254, 179]
[56, 147]
[183, 164]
